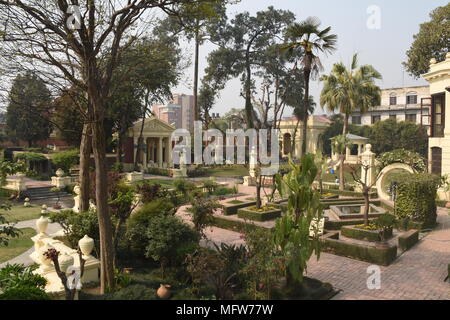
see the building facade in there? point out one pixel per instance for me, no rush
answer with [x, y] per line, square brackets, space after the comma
[402, 104]
[179, 112]
[439, 142]
[316, 127]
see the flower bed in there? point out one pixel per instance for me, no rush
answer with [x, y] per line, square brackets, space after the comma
[263, 214]
[380, 255]
[359, 233]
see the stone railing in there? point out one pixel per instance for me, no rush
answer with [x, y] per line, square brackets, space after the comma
[68, 259]
[16, 183]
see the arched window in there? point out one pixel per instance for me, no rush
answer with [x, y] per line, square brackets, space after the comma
[411, 97]
[393, 99]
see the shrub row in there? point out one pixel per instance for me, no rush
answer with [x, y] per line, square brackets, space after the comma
[408, 239]
[259, 216]
[232, 209]
[361, 234]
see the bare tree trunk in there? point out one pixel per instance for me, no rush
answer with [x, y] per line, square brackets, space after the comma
[345, 128]
[104, 220]
[248, 93]
[85, 156]
[141, 133]
[196, 66]
[341, 173]
[305, 116]
[367, 204]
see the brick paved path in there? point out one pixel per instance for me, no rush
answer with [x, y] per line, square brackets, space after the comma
[417, 274]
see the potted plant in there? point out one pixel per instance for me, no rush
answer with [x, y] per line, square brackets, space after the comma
[57, 190]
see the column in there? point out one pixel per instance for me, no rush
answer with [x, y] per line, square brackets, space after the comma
[168, 152]
[160, 152]
[135, 149]
[145, 155]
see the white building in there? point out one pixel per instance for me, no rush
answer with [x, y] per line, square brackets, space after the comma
[402, 104]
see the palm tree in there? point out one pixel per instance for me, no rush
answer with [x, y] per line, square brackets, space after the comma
[299, 113]
[339, 145]
[307, 37]
[349, 90]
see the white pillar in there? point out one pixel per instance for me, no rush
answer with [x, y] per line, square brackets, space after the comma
[169, 152]
[368, 163]
[160, 152]
[145, 154]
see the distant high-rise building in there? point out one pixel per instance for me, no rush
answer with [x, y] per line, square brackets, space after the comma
[178, 112]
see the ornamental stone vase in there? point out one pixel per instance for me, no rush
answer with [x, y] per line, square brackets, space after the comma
[164, 292]
[86, 245]
[60, 173]
[42, 224]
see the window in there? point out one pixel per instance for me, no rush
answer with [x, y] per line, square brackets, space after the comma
[436, 161]
[411, 98]
[393, 117]
[393, 99]
[356, 119]
[438, 115]
[375, 119]
[411, 117]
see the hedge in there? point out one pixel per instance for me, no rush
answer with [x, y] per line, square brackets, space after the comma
[259, 216]
[361, 234]
[233, 225]
[408, 239]
[372, 254]
[232, 209]
[416, 195]
[372, 195]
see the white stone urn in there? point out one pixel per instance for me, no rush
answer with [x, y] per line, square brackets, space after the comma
[77, 190]
[86, 245]
[60, 173]
[27, 202]
[44, 209]
[41, 224]
[65, 261]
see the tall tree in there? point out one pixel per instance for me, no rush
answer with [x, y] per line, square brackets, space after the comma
[197, 20]
[50, 34]
[311, 40]
[28, 109]
[243, 42]
[432, 41]
[349, 90]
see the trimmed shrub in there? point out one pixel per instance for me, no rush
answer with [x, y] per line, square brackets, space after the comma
[408, 239]
[416, 195]
[66, 159]
[232, 208]
[361, 234]
[252, 214]
[412, 159]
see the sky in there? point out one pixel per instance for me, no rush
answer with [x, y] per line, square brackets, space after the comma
[384, 47]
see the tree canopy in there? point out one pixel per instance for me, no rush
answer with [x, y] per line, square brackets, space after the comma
[28, 109]
[432, 41]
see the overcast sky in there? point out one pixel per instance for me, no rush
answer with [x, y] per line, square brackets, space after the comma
[383, 48]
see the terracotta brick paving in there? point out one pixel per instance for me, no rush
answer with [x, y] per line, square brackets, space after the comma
[418, 274]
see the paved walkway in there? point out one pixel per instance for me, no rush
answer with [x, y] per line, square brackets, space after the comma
[418, 274]
[24, 258]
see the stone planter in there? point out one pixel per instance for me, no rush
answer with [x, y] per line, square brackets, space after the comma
[249, 214]
[365, 235]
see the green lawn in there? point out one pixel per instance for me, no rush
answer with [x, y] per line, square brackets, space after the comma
[17, 246]
[162, 182]
[228, 172]
[21, 213]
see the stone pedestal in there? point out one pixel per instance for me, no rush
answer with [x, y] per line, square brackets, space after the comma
[134, 177]
[76, 207]
[368, 166]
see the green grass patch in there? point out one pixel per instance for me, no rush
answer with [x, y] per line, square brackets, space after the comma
[17, 246]
[228, 171]
[22, 213]
[235, 202]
